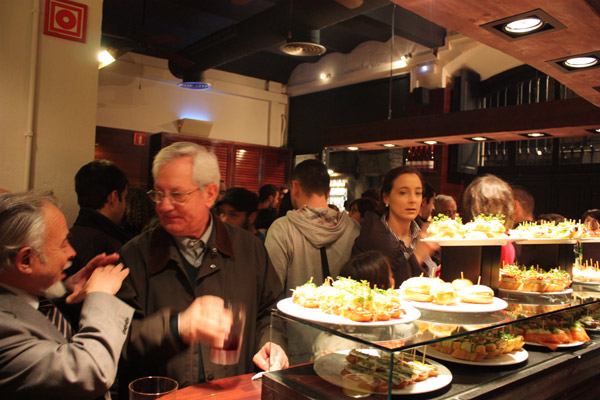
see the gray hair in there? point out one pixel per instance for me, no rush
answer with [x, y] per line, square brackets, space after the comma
[440, 199]
[22, 224]
[205, 168]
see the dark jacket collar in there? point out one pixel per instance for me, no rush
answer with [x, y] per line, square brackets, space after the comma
[93, 219]
[161, 243]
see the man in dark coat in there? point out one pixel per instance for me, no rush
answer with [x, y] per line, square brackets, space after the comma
[186, 270]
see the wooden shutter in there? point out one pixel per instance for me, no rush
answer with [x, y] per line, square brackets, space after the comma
[246, 169]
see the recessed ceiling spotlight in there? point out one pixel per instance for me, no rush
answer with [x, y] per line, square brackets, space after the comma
[431, 142]
[388, 145]
[324, 76]
[352, 148]
[597, 130]
[535, 134]
[524, 25]
[593, 130]
[577, 62]
[479, 139]
[581, 62]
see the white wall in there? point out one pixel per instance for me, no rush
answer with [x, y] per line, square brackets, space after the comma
[64, 110]
[140, 93]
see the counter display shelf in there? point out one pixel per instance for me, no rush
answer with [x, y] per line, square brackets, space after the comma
[398, 344]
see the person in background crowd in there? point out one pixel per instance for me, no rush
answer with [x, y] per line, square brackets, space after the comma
[359, 207]
[101, 192]
[185, 270]
[312, 241]
[524, 205]
[375, 195]
[140, 213]
[396, 234]
[283, 190]
[426, 204]
[371, 266]
[268, 197]
[444, 204]
[555, 218]
[222, 190]
[591, 219]
[40, 357]
[238, 208]
[285, 205]
[489, 194]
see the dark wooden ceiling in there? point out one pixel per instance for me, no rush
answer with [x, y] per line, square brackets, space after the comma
[581, 35]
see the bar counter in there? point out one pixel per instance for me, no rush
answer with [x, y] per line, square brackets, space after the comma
[562, 374]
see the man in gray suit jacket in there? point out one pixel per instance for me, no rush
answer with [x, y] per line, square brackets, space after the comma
[37, 360]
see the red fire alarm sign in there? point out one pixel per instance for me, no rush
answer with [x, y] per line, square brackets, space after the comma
[66, 19]
[139, 138]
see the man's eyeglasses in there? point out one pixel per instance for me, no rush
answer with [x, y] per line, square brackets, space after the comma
[158, 196]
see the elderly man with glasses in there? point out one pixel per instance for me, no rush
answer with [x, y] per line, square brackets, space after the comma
[186, 271]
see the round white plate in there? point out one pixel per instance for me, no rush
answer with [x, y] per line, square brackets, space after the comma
[544, 241]
[560, 346]
[505, 359]
[496, 305]
[567, 291]
[586, 283]
[287, 306]
[470, 242]
[330, 366]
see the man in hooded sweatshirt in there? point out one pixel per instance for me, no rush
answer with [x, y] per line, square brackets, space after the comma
[311, 241]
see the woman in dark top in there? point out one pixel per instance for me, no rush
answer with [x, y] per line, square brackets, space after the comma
[395, 233]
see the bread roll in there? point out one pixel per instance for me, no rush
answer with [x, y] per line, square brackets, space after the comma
[461, 283]
[418, 288]
[478, 294]
[443, 293]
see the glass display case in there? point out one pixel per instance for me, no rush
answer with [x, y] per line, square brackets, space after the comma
[437, 352]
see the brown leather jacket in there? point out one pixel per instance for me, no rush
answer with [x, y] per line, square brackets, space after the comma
[236, 267]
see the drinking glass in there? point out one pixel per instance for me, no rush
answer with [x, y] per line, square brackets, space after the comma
[153, 387]
[356, 385]
[230, 352]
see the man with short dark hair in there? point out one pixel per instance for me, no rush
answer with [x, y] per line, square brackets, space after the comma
[268, 196]
[445, 205]
[40, 356]
[312, 241]
[426, 204]
[101, 191]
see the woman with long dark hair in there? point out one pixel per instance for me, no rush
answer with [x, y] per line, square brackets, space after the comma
[395, 233]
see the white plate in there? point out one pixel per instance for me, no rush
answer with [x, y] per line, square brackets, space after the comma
[330, 366]
[470, 242]
[560, 346]
[496, 305]
[586, 283]
[544, 241]
[567, 291]
[287, 306]
[505, 359]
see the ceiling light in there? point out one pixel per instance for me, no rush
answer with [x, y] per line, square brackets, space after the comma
[105, 58]
[352, 148]
[593, 130]
[194, 85]
[524, 25]
[388, 145]
[325, 76]
[535, 134]
[430, 142]
[577, 62]
[581, 62]
[479, 139]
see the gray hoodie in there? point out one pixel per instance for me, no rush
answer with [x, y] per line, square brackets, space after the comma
[293, 243]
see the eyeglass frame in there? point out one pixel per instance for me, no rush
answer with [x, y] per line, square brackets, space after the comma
[152, 193]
